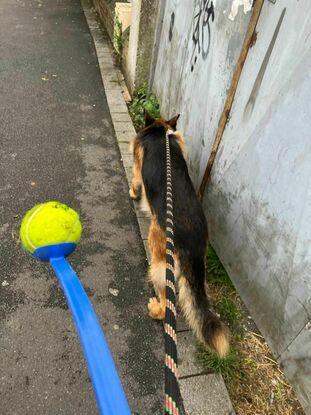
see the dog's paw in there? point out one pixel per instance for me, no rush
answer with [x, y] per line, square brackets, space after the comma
[156, 311]
[133, 195]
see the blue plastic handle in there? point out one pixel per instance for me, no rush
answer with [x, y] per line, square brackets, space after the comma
[108, 389]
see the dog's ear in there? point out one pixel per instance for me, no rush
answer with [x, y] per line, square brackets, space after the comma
[173, 122]
[148, 119]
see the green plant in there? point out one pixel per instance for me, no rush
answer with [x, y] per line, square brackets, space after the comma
[279, 390]
[117, 35]
[229, 311]
[228, 367]
[143, 100]
[216, 273]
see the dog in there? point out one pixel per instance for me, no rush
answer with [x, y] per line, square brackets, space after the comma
[190, 230]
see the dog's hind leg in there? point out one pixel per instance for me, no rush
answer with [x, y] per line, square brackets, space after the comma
[157, 270]
[157, 276]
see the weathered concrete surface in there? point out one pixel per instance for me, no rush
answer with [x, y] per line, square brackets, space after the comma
[138, 40]
[258, 201]
[200, 402]
[296, 363]
[106, 11]
[193, 65]
[145, 41]
[57, 142]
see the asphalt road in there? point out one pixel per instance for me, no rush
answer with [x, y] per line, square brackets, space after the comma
[57, 143]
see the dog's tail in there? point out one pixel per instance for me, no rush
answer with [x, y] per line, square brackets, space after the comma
[195, 306]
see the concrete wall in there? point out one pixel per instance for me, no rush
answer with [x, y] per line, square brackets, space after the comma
[138, 41]
[258, 201]
[193, 69]
[105, 10]
[145, 40]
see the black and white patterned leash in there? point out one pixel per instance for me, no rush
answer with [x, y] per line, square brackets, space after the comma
[173, 399]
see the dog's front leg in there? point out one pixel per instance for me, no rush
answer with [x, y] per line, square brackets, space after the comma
[135, 190]
[136, 185]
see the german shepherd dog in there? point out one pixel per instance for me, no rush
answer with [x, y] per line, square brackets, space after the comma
[190, 230]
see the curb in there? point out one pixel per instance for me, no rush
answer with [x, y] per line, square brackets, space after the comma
[203, 393]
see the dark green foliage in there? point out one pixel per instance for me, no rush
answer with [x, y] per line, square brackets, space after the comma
[117, 36]
[143, 100]
[216, 273]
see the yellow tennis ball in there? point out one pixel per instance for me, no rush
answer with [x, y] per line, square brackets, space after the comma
[49, 224]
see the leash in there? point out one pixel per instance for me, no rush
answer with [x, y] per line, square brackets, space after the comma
[173, 399]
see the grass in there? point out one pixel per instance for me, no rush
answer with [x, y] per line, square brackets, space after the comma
[117, 36]
[143, 100]
[254, 380]
[227, 366]
[229, 311]
[216, 271]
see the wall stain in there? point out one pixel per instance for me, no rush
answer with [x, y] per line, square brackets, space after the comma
[253, 96]
[170, 33]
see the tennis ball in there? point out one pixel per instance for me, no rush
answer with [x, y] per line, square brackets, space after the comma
[49, 224]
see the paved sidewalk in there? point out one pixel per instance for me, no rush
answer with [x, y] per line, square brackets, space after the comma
[57, 143]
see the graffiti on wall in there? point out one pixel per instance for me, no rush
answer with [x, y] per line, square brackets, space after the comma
[201, 33]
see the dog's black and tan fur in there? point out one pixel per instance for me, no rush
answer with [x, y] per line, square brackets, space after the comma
[190, 230]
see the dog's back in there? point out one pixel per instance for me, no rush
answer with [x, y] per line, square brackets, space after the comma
[190, 228]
